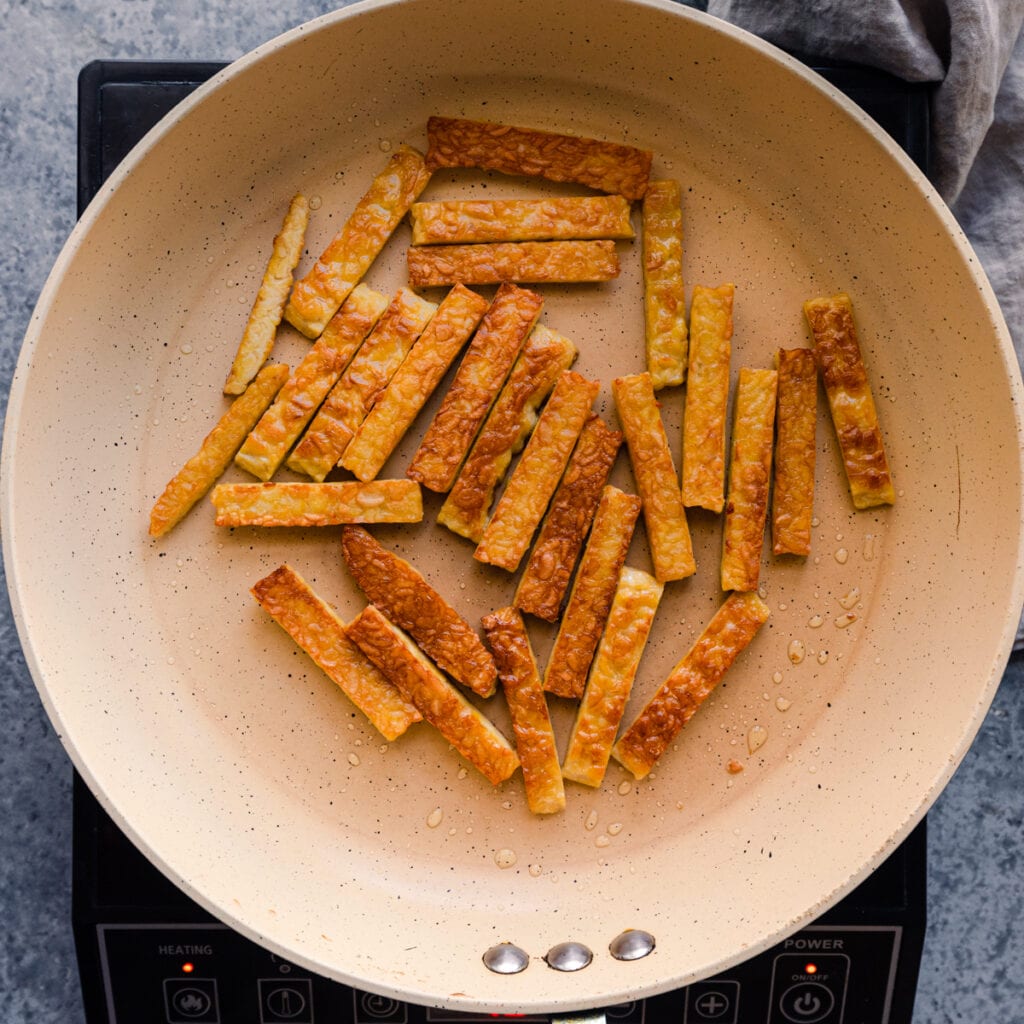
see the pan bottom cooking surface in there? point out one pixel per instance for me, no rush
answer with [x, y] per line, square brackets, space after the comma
[148, 953]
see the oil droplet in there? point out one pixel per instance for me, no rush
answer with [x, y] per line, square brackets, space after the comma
[452, 831]
[766, 695]
[822, 657]
[846, 620]
[756, 738]
[251, 268]
[383, 748]
[776, 677]
[315, 202]
[815, 621]
[813, 769]
[815, 521]
[209, 259]
[602, 841]
[850, 598]
[505, 858]
[839, 536]
[842, 555]
[535, 870]
[782, 704]
[353, 759]
[463, 772]
[137, 389]
[615, 828]
[385, 145]
[869, 546]
[186, 349]
[591, 823]
[625, 788]
[170, 660]
[796, 651]
[434, 817]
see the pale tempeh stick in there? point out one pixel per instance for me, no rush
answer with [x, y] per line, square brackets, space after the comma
[367, 375]
[611, 677]
[837, 353]
[549, 568]
[481, 375]
[413, 382]
[531, 722]
[707, 397]
[521, 507]
[606, 166]
[316, 628]
[520, 220]
[200, 473]
[327, 504]
[592, 593]
[664, 298]
[664, 516]
[280, 426]
[261, 329]
[746, 507]
[523, 262]
[316, 297]
[473, 735]
[395, 587]
[795, 423]
[543, 358]
[691, 682]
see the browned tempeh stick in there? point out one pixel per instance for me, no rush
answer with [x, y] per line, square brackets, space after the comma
[795, 422]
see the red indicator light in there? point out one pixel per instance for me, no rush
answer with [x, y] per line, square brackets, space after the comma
[810, 968]
[188, 967]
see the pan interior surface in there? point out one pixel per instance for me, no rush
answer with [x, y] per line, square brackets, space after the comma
[240, 769]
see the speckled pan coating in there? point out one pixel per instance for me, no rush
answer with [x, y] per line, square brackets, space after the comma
[245, 774]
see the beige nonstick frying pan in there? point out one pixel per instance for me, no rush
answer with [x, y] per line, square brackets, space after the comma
[250, 780]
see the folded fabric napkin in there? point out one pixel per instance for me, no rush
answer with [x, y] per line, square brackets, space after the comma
[974, 51]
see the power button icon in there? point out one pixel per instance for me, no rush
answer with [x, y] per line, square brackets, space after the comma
[807, 1003]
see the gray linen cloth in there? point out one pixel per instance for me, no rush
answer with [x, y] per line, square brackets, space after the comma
[974, 51]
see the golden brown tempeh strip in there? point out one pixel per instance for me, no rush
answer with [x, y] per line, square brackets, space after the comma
[473, 735]
[481, 375]
[746, 507]
[592, 593]
[280, 426]
[365, 378]
[524, 262]
[837, 353]
[521, 507]
[200, 473]
[546, 577]
[543, 358]
[413, 382]
[664, 297]
[412, 604]
[795, 422]
[531, 722]
[520, 220]
[691, 682]
[707, 397]
[664, 516]
[316, 297]
[606, 166]
[327, 504]
[611, 677]
[316, 628]
[261, 328]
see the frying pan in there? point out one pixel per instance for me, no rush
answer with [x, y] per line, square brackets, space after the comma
[250, 781]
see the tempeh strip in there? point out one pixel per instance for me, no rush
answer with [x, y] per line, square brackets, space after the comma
[201, 471]
[606, 166]
[520, 220]
[592, 593]
[327, 504]
[664, 297]
[664, 516]
[746, 507]
[795, 423]
[543, 358]
[316, 628]
[611, 677]
[413, 382]
[707, 397]
[521, 507]
[280, 426]
[531, 722]
[523, 262]
[261, 328]
[473, 735]
[346, 259]
[691, 682]
[837, 353]
[481, 375]
[549, 568]
[412, 604]
[367, 375]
